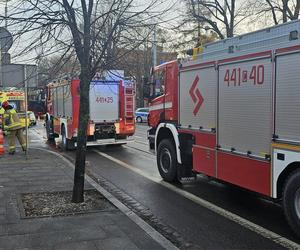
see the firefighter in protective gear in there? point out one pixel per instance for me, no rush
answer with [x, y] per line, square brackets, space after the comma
[1, 116]
[14, 126]
[1, 109]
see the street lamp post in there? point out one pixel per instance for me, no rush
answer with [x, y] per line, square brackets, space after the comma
[5, 12]
[199, 34]
[154, 48]
[197, 9]
[196, 12]
[26, 110]
[6, 41]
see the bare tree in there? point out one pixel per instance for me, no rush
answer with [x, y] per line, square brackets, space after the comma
[220, 16]
[281, 10]
[191, 34]
[54, 67]
[90, 29]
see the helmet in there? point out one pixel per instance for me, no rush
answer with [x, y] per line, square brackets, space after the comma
[5, 104]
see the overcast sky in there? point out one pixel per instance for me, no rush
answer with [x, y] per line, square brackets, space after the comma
[171, 18]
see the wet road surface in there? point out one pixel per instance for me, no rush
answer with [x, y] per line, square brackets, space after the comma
[132, 169]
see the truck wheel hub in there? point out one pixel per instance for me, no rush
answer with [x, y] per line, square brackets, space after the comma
[165, 160]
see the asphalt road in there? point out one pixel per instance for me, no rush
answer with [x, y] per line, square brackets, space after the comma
[203, 213]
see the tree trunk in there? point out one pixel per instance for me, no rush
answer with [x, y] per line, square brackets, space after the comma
[284, 10]
[296, 12]
[78, 188]
[272, 8]
[230, 31]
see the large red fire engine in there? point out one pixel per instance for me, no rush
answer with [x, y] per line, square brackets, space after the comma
[233, 114]
[111, 112]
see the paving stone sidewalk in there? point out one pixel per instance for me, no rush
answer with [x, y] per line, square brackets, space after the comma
[43, 172]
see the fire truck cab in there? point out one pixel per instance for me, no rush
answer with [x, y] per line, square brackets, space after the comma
[233, 114]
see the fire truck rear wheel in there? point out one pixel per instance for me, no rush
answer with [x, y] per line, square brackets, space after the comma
[167, 160]
[291, 201]
[67, 144]
[48, 128]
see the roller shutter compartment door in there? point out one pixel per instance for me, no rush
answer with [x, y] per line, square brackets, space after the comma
[198, 91]
[245, 107]
[287, 108]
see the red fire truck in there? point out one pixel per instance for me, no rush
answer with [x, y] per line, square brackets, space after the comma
[111, 112]
[233, 114]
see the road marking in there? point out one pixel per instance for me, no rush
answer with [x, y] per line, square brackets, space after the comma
[155, 235]
[136, 136]
[124, 164]
[146, 152]
[228, 215]
[231, 216]
[34, 140]
[141, 142]
[135, 140]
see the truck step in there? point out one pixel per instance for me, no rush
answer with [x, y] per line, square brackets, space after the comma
[187, 179]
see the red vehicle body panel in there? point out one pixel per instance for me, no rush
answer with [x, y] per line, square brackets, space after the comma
[170, 98]
[253, 174]
[126, 118]
[249, 173]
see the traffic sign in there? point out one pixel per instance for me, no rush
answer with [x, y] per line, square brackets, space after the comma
[6, 39]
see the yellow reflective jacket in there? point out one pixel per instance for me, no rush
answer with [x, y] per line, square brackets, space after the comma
[12, 120]
[2, 117]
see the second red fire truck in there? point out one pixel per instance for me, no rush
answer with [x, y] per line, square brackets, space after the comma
[111, 112]
[233, 114]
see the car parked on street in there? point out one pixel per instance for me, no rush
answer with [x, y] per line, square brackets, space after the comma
[141, 115]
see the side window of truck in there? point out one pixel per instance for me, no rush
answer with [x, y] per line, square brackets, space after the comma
[159, 82]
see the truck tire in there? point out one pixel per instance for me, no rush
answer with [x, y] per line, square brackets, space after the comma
[291, 201]
[66, 143]
[50, 137]
[167, 160]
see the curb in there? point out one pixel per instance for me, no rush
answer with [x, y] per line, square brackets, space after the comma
[155, 235]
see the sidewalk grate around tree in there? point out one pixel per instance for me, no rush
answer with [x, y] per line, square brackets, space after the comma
[48, 204]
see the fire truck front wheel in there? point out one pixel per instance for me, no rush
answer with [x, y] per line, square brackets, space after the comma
[67, 144]
[167, 160]
[291, 201]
